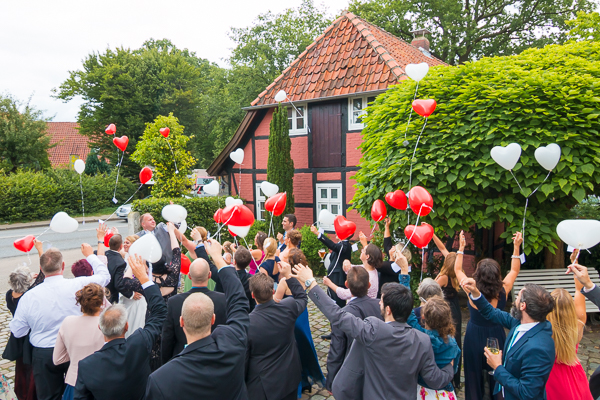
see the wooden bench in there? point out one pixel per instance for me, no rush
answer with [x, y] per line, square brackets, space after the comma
[554, 279]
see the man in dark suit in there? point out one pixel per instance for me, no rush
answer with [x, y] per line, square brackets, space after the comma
[212, 365]
[115, 262]
[361, 306]
[173, 338]
[380, 348]
[120, 369]
[161, 233]
[273, 368]
[241, 260]
[521, 371]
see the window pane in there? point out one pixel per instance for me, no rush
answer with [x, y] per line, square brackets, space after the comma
[334, 209]
[323, 207]
[290, 120]
[357, 105]
[370, 99]
[334, 193]
[323, 193]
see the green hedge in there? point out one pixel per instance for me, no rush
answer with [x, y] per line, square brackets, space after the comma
[30, 196]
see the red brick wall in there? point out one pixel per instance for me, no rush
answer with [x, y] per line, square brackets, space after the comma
[300, 151]
[263, 128]
[361, 223]
[353, 140]
[262, 153]
[303, 189]
[246, 191]
[329, 176]
[304, 216]
[350, 189]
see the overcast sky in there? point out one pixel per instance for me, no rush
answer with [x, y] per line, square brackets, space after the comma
[44, 39]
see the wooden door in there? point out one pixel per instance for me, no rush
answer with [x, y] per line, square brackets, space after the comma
[327, 135]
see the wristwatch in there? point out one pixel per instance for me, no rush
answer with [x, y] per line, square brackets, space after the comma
[100, 241]
[308, 282]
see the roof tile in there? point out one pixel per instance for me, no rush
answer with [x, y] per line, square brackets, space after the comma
[68, 143]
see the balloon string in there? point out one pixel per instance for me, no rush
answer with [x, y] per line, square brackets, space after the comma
[526, 204]
[117, 181]
[422, 257]
[42, 232]
[225, 223]
[173, 154]
[82, 207]
[520, 188]
[411, 111]
[414, 230]
[126, 201]
[240, 179]
[245, 242]
[413, 155]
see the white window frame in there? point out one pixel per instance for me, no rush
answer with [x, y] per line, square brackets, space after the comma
[294, 130]
[260, 198]
[353, 126]
[329, 201]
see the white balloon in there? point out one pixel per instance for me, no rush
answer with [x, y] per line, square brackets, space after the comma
[269, 189]
[62, 223]
[241, 231]
[79, 166]
[507, 157]
[548, 156]
[416, 72]
[147, 247]
[237, 156]
[230, 201]
[280, 96]
[326, 217]
[182, 227]
[579, 233]
[174, 213]
[212, 188]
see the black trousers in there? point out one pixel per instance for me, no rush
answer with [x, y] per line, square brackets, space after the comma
[49, 378]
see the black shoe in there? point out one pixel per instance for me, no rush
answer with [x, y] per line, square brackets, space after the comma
[306, 389]
[326, 337]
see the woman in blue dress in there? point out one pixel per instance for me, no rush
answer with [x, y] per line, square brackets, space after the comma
[311, 369]
[270, 265]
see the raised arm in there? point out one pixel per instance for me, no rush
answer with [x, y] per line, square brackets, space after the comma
[187, 243]
[515, 263]
[488, 311]
[299, 296]
[172, 237]
[440, 245]
[324, 239]
[458, 270]
[363, 239]
[101, 275]
[580, 308]
[387, 237]
[100, 233]
[590, 290]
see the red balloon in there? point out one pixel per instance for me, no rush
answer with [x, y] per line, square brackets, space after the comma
[107, 237]
[164, 131]
[424, 107]
[185, 265]
[218, 217]
[145, 175]
[378, 211]
[111, 129]
[420, 236]
[343, 228]
[420, 201]
[121, 142]
[396, 199]
[237, 215]
[24, 244]
[276, 204]
[231, 233]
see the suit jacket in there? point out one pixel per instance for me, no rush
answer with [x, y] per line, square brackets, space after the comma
[594, 296]
[379, 351]
[116, 263]
[120, 369]
[212, 367]
[527, 364]
[341, 251]
[173, 339]
[273, 368]
[361, 307]
[162, 235]
[245, 279]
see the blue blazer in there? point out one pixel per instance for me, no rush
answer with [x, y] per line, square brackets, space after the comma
[527, 365]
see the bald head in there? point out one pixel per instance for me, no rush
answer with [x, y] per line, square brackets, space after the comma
[199, 272]
[197, 314]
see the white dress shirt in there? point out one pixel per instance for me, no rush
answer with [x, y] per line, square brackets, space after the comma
[43, 308]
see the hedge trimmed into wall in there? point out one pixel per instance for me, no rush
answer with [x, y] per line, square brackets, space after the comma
[30, 196]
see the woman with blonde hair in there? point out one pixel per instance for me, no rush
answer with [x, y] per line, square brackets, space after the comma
[228, 251]
[568, 380]
[270, 266]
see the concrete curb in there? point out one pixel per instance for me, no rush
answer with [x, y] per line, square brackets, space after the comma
[34, 224]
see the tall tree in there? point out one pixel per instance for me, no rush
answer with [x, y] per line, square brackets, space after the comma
[95, 164]
[585, 26]
[23, 140]
[471, 29]
[280, 166]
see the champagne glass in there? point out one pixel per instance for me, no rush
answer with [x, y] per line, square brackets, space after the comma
[322, 253]
[493, 347]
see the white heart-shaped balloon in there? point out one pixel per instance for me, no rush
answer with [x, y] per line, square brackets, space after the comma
[548, 156]
[241, 231]
[579, 233]
[62, 223]
[280, 96]
[79, 166]
[416, 72]
[326, 217]
[182, 227]
[237, 156]
[269, 189]
[230, 201]
[212, 188]
[174, 213]
[507, 157]
[147, 247]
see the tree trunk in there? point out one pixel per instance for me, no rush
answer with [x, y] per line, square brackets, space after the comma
[557, 260]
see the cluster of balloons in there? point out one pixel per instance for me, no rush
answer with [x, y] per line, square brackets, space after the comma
[508, 156]
[236, 216]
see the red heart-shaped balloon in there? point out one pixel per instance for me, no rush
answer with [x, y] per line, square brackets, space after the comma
[276, 204]
[396, 199]
[145, 175]
[185, 265]
[218, 217]
[231, 233]
[237, 215]
[107, 237]
[343, 228]
[420, 201]
[121, 142]
[424, 107]
[378, 211]
[420, 236]
[164, 131]
[24, 244]
[111, 129]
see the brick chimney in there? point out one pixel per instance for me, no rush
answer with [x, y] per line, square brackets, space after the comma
[420, 41]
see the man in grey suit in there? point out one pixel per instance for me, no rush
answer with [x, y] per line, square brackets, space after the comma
[361, 306]
[387, 356]
[160, 232]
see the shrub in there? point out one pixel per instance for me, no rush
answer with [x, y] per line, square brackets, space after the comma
[310, 247]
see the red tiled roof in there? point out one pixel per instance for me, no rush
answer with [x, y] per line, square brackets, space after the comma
[70, 142]
[351, 56]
